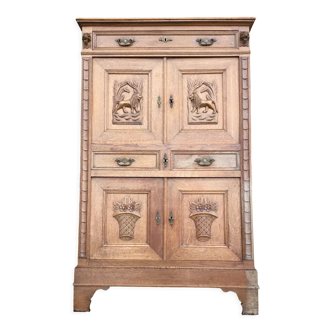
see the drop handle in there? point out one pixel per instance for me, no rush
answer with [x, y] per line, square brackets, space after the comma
[125, 41]
[171, 219]
[206, 41]
[171, 101]
[124, 161]
[204, 161]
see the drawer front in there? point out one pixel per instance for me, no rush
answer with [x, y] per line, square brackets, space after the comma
[166, 39]
[125, 160]
[194, 160]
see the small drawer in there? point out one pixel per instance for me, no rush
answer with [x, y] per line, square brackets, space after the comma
[125, 160]
[194, 160]
[166, 39]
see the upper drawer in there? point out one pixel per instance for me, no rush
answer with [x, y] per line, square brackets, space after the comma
[166, 39]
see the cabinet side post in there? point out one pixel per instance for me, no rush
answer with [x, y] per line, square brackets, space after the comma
[84, 159]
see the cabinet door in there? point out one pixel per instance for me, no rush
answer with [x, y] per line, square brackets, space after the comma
[124, 218]
[127, 95]
[205, 95]
[207, 219]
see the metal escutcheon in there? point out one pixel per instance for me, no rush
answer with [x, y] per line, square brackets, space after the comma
[171, 219]
[171, 101]
[158, 218]
[165, 160]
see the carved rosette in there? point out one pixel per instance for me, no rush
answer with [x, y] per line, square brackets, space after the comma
[203, 213]
[126, 212]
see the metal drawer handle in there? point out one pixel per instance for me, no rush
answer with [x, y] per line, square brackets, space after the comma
[159, 101]
[124, 161]
[206, 41]
[125, 41]
[204, 161]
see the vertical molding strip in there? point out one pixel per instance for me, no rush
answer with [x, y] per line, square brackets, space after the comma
[246, 157]
[84, 158]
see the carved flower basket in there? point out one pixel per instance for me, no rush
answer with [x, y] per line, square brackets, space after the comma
[126, 212]
[203, 213]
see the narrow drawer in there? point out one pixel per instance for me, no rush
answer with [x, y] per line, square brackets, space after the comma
[125, 160]
[166, 39]
[194, 160]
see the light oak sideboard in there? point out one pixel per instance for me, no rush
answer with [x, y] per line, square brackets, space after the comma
[165, 157]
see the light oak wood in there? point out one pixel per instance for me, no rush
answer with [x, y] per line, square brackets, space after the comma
[155, 210]
[221, 160]
[176, 39]
[104, 231]
[142, 160]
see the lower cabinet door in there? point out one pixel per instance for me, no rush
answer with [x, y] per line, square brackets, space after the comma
[126, 218]
[206, 219]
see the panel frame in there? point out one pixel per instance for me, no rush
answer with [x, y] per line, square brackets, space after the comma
[150, 132]
[153, 249]
[180, 133]
[228, 252]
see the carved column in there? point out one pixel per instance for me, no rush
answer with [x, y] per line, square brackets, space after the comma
[246, 157]
[84, 158]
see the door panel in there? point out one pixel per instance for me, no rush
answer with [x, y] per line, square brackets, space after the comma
[206, 100]
[123, 218]
[125, 101]
[207, 219]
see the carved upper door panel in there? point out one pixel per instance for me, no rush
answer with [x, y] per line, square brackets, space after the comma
[205, 95]
[125, 101]
[207, 219]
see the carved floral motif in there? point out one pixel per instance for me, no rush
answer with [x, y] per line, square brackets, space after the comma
[126, 212]
[203, 213]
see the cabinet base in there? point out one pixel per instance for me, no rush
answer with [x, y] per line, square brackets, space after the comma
[243, 282]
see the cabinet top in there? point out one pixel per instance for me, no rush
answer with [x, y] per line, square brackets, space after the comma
[219, 21]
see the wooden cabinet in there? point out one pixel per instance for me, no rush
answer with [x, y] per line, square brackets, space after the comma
[165, 171]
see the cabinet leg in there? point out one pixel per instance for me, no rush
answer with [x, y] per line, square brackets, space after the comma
[82, 297]
[248, 298]
[251, 305]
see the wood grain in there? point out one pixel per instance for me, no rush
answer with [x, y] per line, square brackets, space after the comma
[126, 113]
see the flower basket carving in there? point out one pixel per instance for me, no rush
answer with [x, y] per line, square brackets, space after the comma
[203, 213]
[126, 212]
